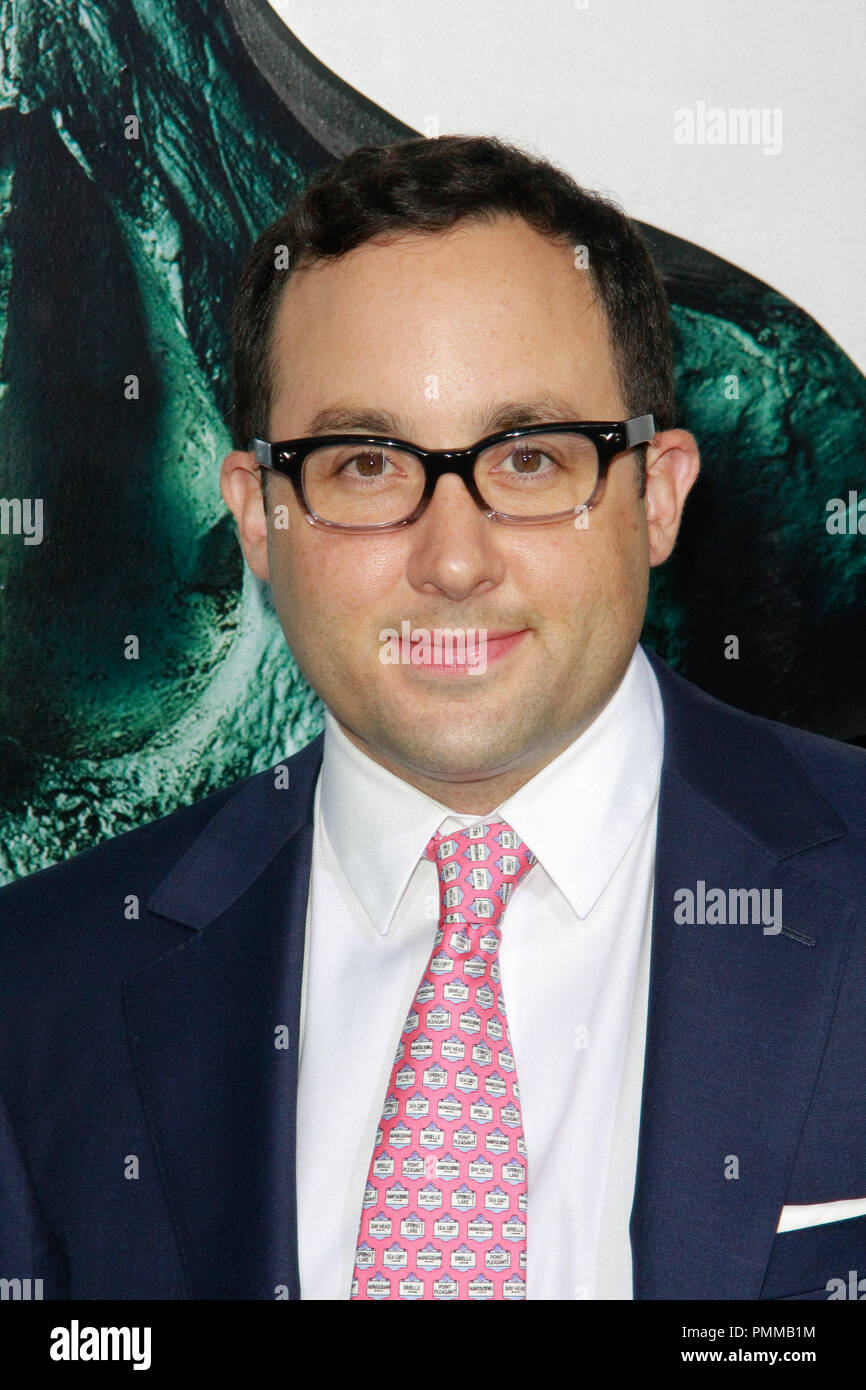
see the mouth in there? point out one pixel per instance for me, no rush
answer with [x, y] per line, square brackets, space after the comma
[471, 655]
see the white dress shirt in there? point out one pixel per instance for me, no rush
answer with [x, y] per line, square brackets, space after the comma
[574, 934]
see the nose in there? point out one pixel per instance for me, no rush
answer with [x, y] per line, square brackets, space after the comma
[454, 547]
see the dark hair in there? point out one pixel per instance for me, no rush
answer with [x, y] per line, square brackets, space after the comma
[428, 185]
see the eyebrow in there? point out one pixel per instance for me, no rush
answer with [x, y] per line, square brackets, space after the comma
[487, 419]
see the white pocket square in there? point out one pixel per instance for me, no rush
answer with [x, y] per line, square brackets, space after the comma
[820, 1213]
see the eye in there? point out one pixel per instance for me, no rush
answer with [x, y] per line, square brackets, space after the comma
[530, 460]
[371, 463]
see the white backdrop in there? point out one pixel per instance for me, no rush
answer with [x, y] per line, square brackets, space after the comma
[597, 85]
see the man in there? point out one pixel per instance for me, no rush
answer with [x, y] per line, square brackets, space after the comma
[270, 1045]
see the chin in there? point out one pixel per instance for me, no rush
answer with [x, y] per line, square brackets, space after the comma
[454, 750]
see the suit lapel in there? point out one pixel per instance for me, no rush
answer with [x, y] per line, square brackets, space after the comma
[214, 1031]
[737, 1019]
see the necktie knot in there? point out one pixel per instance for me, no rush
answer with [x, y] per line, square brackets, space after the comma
[479, 868]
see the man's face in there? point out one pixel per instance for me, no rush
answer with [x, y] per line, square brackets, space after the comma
[438, 331]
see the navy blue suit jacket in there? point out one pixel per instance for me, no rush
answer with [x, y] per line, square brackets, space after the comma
[148, 1044]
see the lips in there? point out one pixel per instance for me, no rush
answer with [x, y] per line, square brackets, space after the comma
[486, 647]
[499, 643]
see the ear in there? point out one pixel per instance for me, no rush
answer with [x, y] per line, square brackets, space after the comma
[241, 488]
[672, 464]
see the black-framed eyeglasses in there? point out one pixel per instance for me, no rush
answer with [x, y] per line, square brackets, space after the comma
[532, 475]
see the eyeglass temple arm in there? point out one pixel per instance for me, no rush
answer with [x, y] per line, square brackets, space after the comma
[640, 430]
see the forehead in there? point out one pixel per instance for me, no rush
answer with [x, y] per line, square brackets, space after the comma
[487, 308]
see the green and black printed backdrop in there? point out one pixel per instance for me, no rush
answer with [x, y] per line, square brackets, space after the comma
[121, 246]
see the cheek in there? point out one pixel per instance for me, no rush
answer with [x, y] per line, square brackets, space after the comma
[335, 580]
[599, 582]
[570, 571]
[622, 542]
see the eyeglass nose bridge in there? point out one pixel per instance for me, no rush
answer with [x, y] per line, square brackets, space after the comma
[438, 462]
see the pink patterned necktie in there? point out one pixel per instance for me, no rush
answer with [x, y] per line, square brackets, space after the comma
[444, 1210]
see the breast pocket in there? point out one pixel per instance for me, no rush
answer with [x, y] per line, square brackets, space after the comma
[819, 1262]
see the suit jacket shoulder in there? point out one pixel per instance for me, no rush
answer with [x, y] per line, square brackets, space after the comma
[772, 776]
[99, 880]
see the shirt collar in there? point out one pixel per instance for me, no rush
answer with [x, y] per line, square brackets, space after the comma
[578, 815]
